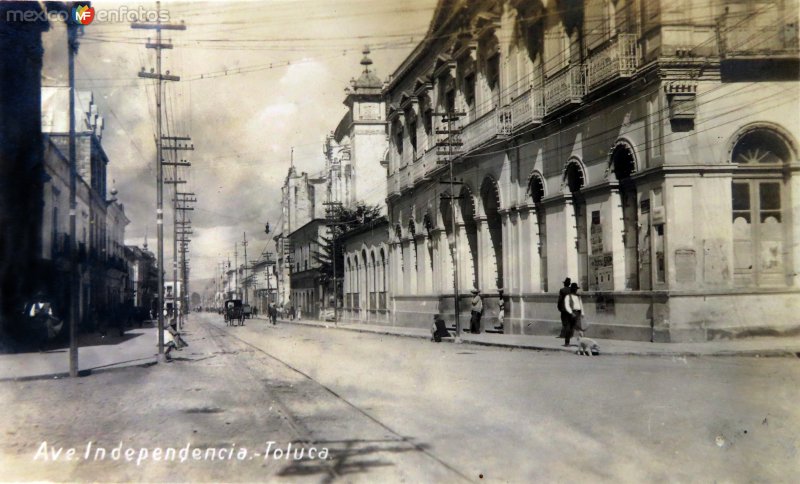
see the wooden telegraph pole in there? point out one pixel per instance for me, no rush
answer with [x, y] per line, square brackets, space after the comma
[160, 78]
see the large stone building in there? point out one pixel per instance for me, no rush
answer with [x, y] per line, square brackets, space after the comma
[648, 150]
[103, 281]
[353, 173]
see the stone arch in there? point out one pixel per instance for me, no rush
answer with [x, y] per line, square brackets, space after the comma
[490, 197]
[468, 210]
[574, 176]
[537, 191]
[751, 142]
[574, 179]
[622, 164]
[384, 270]
[364, 280]
[412, 233]
[373, 274]
[622, 160]
[537, 187]
[760, 212]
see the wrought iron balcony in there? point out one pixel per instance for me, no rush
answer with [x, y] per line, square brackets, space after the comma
[480, 131]
[740, 35]
[566, 87]
[527, 108]
[504, 123]
[617, 60]
[423, 165]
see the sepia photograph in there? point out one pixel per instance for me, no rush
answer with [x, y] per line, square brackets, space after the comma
[358, 241]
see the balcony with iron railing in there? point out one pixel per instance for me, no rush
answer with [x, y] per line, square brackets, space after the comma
[565, 88]
[423, 165]
[480, 131]
[527, 108]
[619, 59]
[742, 36]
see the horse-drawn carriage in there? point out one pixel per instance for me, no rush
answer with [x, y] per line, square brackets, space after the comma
[233, 312]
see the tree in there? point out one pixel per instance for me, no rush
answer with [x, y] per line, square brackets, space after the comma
[341, 221]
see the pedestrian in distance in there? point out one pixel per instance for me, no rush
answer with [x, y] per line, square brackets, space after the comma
[574, 307]
[439, 329]
[477, 312]
[565, 316]
[273, 314]
[501, 311]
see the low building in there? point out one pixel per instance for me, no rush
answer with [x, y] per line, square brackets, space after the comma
[366, 273]
[309, 291]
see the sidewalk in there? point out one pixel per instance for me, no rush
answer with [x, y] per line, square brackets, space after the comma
[762, 347]
[137, 347]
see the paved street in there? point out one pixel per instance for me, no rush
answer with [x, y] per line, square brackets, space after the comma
[401, 409]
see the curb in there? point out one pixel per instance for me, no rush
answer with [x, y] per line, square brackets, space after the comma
[81, 373]
[767, 353]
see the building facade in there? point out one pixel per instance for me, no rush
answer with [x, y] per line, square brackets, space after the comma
[103, 272]
[365, 285]
[647, 150]
[309, 290]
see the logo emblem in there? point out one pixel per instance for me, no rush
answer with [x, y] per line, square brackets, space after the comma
[82, 14]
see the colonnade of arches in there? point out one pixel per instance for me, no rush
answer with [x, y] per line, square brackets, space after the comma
[601, 231]
[366, 275]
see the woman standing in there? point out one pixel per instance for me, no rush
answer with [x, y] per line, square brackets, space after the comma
[574, 306]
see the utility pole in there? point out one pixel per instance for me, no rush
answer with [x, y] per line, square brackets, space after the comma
[182, 232]
[244, 284]
[236, 268]
[72, 47]
[159, 46]
[333, 212]
[175, 181]
[451, 144]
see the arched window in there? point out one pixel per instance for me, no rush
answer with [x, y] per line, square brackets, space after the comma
[759, 202]
[536, 190]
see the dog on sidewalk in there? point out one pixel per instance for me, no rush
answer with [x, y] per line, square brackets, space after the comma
[587, 346]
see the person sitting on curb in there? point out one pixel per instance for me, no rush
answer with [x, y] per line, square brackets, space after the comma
[438, 329]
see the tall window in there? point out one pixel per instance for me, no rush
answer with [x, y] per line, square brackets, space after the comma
[758, 200]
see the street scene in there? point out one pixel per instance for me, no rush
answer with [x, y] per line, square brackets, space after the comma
[421, 241]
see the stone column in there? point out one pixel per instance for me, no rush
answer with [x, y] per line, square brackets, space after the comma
[509, 245]
[465, 266]
[395, 259]
[530, 259]
[487, 262]
[570, 229]
[794, 259]
[411, 266]
[614, 237]
[445, 259]
[423, 265]
[436, 263]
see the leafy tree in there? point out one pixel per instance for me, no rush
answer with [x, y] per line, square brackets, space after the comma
[345, 219]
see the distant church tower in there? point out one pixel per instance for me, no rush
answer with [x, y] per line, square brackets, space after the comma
[363, 131]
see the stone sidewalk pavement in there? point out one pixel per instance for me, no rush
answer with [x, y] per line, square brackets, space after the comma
[761, 346]
[95, 353]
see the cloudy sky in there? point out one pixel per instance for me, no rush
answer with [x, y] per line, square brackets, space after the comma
[258, 78]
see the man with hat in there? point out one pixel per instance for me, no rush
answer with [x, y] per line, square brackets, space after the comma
[477, 311]
[565, 315]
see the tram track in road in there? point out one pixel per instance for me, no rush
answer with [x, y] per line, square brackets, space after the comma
[302, 434]
[301, 430]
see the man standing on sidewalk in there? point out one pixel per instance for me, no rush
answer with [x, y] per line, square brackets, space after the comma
[565, 316]
[477, 311]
